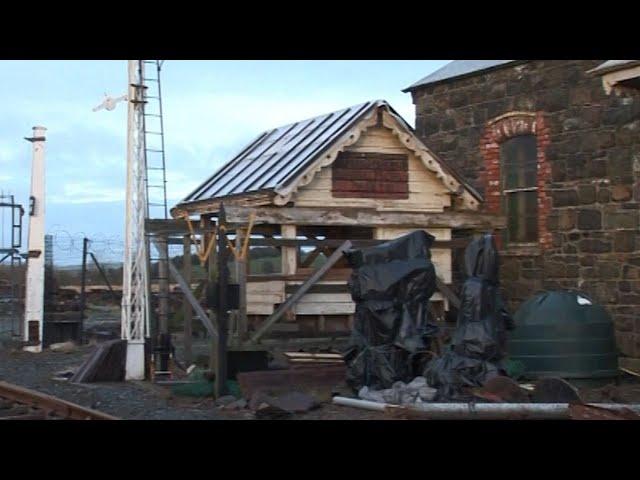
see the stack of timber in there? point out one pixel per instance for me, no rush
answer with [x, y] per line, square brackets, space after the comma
[105, 364]
[310, 360]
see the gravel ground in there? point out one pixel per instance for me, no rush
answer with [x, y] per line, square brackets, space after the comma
[128, 400]
[147, 401]
[132, 400]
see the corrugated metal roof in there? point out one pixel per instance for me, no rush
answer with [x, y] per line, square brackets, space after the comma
[457, 68]
[277, 156]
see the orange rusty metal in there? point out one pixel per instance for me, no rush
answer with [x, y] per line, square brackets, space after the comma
[591, 412]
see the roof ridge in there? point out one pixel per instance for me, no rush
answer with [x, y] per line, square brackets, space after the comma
[302, 120]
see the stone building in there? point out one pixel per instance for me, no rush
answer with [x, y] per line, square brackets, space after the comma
[547, 146]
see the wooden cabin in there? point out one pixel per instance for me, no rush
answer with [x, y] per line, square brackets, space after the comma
[358, 174]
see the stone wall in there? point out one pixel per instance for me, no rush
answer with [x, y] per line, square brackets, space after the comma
[588, 175]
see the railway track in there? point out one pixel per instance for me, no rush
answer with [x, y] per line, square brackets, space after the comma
[19, 403]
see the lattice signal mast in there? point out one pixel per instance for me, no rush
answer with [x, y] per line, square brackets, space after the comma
[135, 301]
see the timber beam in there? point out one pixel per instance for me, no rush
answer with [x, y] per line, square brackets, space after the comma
[335, 242]
[178, 227]
[364, 217]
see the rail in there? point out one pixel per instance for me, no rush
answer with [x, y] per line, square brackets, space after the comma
[19, 403]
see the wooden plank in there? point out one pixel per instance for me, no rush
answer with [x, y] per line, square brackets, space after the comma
[287, 327]
[291, 301]
[276, 287]
[257, 308]
[312, 355]
[210, 324]
[366, 217]
[325, 308]
[179, 227]
[335, 274]
[420, 185]
[332, 243]
[338, 341]
[187, 312]
[321, 288]
[271, 298]
[341, 275]
[241, 280]
[319, 361]
[212, 205]
[344, 297]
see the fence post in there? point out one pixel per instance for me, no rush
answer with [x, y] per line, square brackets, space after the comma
[83, 283]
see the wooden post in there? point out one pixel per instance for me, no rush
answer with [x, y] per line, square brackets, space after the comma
[221, 310]
[187, 312]
[241, 280]
[163, 285]
[289, 254]
[289, 260]
[211, 263]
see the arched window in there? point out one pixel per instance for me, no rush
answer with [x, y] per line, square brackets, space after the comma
[519, 180]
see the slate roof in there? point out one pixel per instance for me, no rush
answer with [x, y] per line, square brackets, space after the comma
[457, 68]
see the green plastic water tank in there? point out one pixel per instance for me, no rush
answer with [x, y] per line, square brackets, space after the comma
[564, 334]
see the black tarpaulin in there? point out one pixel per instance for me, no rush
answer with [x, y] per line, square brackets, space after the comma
[391, 285]
[478, 345]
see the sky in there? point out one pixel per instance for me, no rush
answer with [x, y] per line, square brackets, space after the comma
[211, 110]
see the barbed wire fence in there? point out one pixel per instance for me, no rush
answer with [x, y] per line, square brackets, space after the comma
[108, 250]
[67, 249]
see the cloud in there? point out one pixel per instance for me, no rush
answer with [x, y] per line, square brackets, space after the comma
[211, 111]
[87, 192]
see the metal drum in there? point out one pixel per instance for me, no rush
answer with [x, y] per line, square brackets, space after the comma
[564, 334]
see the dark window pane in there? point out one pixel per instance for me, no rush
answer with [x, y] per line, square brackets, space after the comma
[522, 216]
[518, 157]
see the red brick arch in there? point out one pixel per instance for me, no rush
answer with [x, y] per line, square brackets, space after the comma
[497, 131]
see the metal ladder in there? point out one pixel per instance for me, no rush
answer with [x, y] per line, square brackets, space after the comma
[155, 175]
[155, 164]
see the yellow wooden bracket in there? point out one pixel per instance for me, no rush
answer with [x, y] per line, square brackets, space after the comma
[202, 251]
[241, 255]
